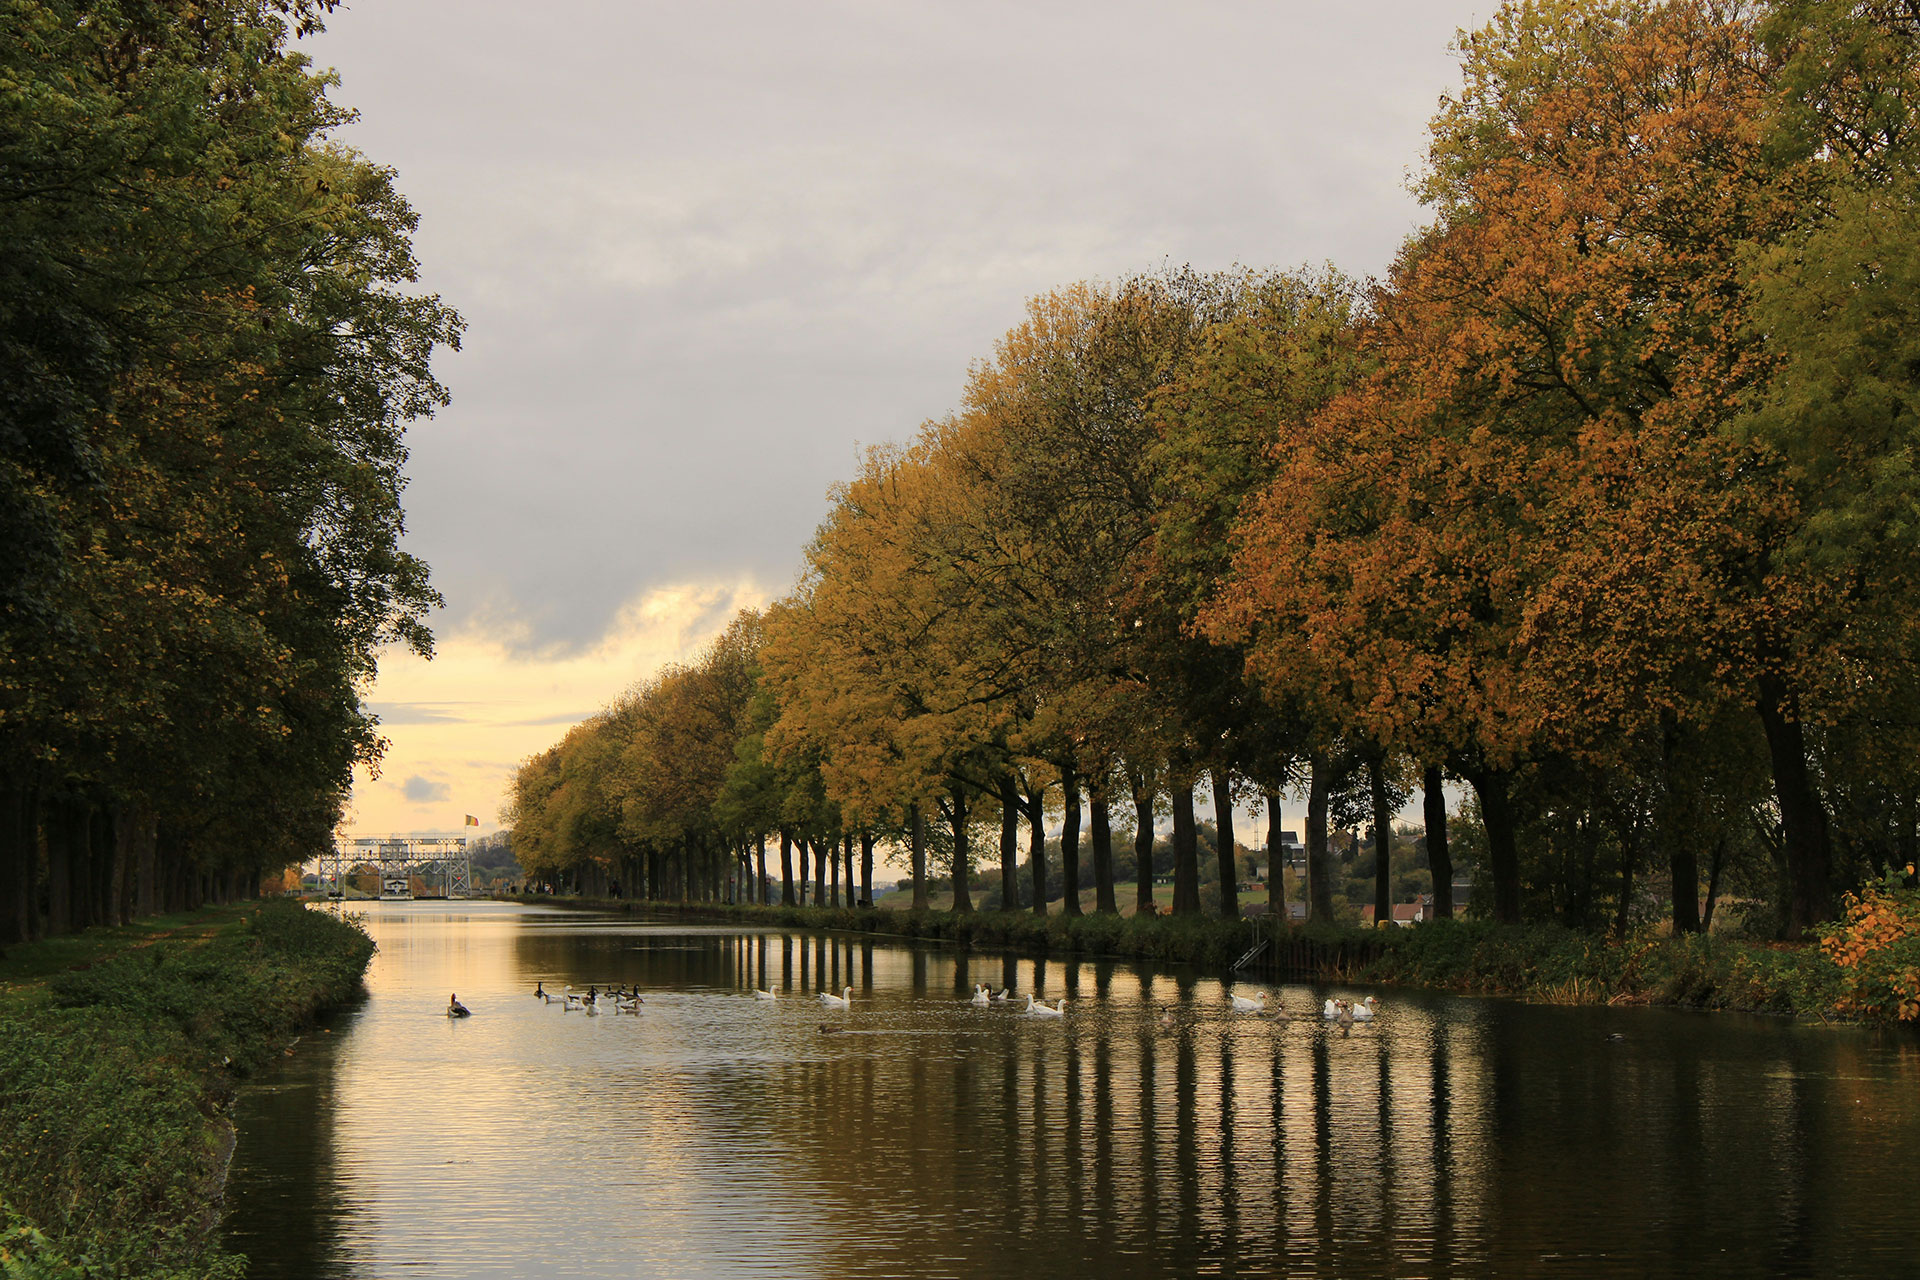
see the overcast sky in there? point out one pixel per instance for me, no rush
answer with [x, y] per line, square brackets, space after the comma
[707, 252]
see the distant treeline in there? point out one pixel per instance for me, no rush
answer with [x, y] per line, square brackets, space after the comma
[208, 353]
[1602, 503]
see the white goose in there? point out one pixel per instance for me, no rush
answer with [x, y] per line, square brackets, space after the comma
[762, 994]
[1256, 1005]
[1363, 1012]
[1005, 996]
[841, 1001]
[981, 996]
[1331, 1009]
[1040, 1010]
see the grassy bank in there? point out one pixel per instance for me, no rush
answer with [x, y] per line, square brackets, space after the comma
[119, 1051]
[1555, 965]
[1166, 939]
[1868, 970]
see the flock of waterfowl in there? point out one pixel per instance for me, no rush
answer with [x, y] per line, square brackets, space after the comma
[1344, 1013]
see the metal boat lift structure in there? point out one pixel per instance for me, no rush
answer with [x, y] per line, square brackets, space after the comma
[396, 860]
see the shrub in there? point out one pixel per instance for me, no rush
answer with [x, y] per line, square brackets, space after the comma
[1876, 947]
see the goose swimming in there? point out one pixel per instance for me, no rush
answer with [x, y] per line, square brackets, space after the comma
[1256, 1005]
[1363, 1012]
[841, 1001]
[760, 994]
[455, 1009]
[1042, 1010]
[981, 996]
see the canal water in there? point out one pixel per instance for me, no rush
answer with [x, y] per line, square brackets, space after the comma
[715, 1133]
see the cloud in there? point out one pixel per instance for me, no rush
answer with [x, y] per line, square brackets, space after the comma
[495, 693]
[392, 713]
[419, 790]
[705, 252]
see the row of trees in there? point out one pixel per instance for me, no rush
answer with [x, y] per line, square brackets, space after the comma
[1602, 503]
[208, 353]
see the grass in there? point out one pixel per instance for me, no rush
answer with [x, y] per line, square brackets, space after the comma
[25, 969]
[119, 1051]
[1553, 964]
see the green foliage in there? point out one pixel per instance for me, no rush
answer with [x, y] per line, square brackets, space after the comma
[110, 1137]
[209, 352]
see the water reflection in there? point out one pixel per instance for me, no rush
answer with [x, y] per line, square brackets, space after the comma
[718, 1134]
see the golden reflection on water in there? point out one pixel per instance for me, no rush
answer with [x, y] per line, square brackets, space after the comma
[719, 1134]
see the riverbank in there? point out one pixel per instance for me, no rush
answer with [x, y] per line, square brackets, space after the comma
[120, 1050]
[1541, 963]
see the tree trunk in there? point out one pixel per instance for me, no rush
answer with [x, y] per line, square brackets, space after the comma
[1439, 859]
[1503, 859]
[1276, 855]
[786, 869]
[1713, 881]
[1803, 818]
[1143, 903]
[1186, 853]
[1319, 855]
[866, 868]
[853, 897]
[962, 855]
[822, 854]
[1683, 863]
[833, 873]
[107, 863]
[1069, 841]
[1382, 843]
[1009, 844]
[1629, 855]
[59, 823]
[1677, 829]
[1229, 856]
[917, 846]
[1037, 848]
[761, 895]
[17, 858]
[80, 860]
[1103, 897]
[144, 873]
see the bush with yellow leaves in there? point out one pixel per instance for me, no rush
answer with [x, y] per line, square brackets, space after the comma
[1876, 946]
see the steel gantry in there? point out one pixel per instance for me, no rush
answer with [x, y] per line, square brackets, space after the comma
[396, 860]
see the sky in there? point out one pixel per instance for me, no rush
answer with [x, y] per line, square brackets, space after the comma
[708, 253]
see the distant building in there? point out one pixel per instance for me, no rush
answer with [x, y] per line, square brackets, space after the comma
[1404, 914]
[1293, 854]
